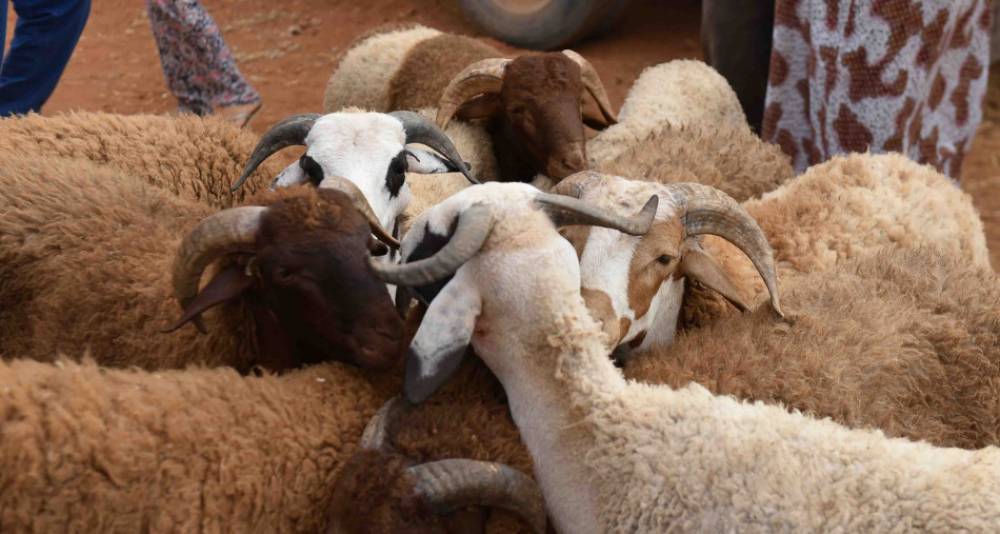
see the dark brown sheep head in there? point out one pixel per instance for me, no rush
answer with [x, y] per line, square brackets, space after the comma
[380, 491]
[301, 264]
[539, 101]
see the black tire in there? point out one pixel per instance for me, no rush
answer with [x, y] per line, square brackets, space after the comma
[542, 24]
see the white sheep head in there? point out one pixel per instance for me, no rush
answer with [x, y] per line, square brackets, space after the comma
[372, 150]
[485, 259]
[635, 285]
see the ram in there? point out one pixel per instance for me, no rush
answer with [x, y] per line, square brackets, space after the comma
[846, 207]
[533, 104]
[93, 258]
[617, 455]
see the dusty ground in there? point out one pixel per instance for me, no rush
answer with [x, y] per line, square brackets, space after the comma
[287, 49]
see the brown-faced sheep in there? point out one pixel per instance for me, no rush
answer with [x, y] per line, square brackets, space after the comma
[193, 157]
[533, 104]
[87, 253]
[382, 491]
[837, 210]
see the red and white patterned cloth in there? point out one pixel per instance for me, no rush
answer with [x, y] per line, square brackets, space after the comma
[878, 75]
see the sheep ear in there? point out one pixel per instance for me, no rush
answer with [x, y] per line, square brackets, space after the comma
[225, 286]
[479, 107]
[423, 161]
[291, 175]
[441, 340]
[701, 266]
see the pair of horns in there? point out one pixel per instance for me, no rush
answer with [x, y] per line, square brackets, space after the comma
[447, 485]
[486, 76]
[475, 223]
[707, 210]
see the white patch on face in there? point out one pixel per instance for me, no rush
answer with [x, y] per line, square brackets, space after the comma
[604, 266]
[359, 147]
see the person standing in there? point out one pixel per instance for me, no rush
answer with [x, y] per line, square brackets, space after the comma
[44, 38]
[199, 68]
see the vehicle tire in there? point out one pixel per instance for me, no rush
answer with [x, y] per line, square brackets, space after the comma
[542, 24]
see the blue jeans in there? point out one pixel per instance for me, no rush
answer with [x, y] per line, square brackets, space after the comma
[46, 34]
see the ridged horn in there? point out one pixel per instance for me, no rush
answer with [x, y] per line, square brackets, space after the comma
[287, 132]
[228, 231]
[484, 76]
[446, 485]
[710, 211]
[566, 210]
[360, 202]
[419, 129]
[474, 225]
[376, 436]
[592, 83]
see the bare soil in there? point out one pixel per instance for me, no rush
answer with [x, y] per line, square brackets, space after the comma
[287, 50]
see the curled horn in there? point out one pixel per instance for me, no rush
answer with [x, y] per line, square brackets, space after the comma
[484, 76]
[228, 231]
[360, 202]
[710, 211]
[566, 210]
[450, 484]
[376, 436]
[421, 130]
[474, 225]
[287, 132]
[592, 82]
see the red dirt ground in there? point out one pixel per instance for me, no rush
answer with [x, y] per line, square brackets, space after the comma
[287, 49]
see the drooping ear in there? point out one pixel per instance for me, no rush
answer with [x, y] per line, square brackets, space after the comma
[225, 286]
[291, 175]
[479, 107]
[701, 266]
[592, 116]
[422, 161]
[441, 340]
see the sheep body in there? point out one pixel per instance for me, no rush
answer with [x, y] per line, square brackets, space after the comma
[677, 93]
[98, 450]
[196, 158]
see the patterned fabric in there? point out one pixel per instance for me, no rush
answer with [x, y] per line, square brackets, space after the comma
[198, 66]
[877, 75]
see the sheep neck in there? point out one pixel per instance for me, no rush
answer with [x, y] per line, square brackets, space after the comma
[514, 161]
[550, 394]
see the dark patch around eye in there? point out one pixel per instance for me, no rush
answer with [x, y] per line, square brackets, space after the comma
[395, 175]
[428, 246]
[665, 259]
[312, 169]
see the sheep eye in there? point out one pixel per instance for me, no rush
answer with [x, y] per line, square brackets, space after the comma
[665, 259]
[395, 175]
[312, 169]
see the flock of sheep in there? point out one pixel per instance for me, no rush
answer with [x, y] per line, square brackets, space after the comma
[667, 330]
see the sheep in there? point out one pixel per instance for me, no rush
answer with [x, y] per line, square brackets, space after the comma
[679, 93]
[378, 169]
[380, 490]
[193, 157]
[837, 210]
[615, 455]
[90, 257]
[533, 103]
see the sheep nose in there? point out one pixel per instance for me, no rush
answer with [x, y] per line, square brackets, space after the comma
[571, 162]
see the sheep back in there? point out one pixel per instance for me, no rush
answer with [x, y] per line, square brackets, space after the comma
[679, 93]
[361, 75]
[87, 449]
[430, 66]
[193, 157]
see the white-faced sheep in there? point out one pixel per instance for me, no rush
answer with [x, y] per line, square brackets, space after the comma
[189, 156]
[614, 455]
[90, 257]
[533, 103]
[838, 210]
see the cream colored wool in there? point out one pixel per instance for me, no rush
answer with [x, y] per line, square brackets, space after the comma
[612, 455]
[362, 76]
[678, 93]
[193, 157]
